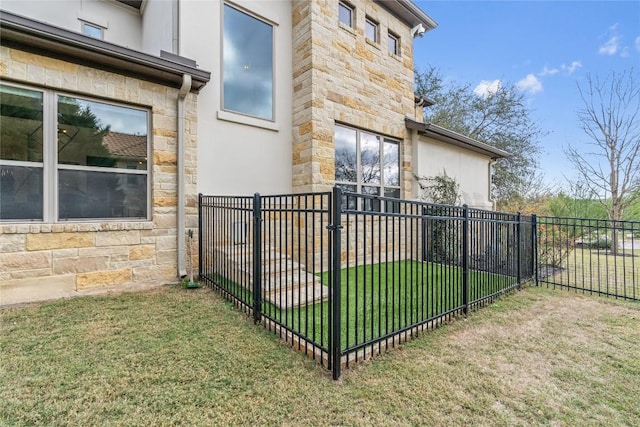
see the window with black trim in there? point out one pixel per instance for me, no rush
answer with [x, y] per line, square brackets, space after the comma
[247, 64]
[367, 163]
[345, 14]
[371, 30]
[69, 158]
[393, 43]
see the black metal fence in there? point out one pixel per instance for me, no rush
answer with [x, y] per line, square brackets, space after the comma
[590, 255]
[343, 276]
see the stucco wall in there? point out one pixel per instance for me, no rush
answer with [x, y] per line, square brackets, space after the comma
[158, 27]
[39, 261]
[471, 170]
[240, 157]
[122, 23]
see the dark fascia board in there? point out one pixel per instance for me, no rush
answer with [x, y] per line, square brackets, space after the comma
[408, 12]
[136, 4]
[445, 135]
[35, 36]
[423, 101]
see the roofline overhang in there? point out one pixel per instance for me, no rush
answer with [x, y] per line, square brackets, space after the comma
[450, 137]
[408, 12]
[26, 34]
[423, 101]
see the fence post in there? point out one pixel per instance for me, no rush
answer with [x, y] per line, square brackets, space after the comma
[519, 253]
[257, 258]
[534, 245]
[465, 259]
[335, 228]
[200, 243]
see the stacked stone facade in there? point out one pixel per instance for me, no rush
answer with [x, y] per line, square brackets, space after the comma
[339, 76]
[78, 256]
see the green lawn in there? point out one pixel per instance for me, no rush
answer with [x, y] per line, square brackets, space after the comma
[378, 299]
[172, 356]
[595, 270]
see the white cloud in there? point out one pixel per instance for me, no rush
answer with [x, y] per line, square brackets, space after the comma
[548, 71]
[530, 84]
[486, 87]
[610, 47]
[571, 68]
[638, 42]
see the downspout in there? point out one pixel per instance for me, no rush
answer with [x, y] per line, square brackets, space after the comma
[493, 202]
[182, 94]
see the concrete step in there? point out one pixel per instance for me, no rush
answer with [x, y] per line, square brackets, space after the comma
[300, 297]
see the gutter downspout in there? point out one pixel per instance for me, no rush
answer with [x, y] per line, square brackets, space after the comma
[182, 94]
[493, 202]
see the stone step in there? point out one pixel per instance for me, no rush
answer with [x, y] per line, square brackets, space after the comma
[289, 280]
[300, 297]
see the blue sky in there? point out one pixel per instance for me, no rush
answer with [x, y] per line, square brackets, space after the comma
[544, 47]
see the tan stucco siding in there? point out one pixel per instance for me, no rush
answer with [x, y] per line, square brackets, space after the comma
[471, 170]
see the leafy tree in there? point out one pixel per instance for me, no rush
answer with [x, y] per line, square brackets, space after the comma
[499, 118]
[610, 117]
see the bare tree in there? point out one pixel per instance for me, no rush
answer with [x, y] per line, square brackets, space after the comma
[610, 117]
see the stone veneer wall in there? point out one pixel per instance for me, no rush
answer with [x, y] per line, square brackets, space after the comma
[39, 261]
[339, 76]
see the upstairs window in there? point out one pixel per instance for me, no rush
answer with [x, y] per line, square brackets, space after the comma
[371, 30]
[92, 30]
[247, 70]
[368, 164]
[345, 14]
[69, 158]
[393, 43]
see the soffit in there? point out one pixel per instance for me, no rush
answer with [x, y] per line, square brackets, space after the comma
[35, 36]
[445, 135]
[408, 12]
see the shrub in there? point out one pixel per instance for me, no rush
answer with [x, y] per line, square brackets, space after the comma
[554, 245]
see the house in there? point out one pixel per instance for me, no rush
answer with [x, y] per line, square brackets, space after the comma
[116, 114]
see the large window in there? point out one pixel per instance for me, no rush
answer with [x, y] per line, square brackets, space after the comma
[367, 163]
[247, 57]
[66, 158]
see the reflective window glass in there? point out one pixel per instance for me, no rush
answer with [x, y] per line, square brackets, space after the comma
[247, 57]
[92, 133]
[371, 30]
[346, 161]
[21, 194]
[345, 14]
[84, 194]
[21, 133]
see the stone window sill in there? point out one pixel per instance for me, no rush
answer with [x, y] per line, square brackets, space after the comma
[246, 120]
[73, 227]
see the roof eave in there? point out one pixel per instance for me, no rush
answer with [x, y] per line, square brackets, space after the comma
[24, 33]
[408, 12]
[442, 134]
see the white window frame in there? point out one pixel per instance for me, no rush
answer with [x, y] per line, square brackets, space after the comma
[239, 116]
[50, 165]
[352, 13]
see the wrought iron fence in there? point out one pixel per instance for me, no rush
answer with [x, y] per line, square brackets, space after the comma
[590, 255]
[343, 276]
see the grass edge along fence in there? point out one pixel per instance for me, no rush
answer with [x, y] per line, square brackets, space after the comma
[344, 276]
[594, 256]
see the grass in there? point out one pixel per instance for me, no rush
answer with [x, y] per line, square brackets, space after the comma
[172, 356]
[378, 299]
[595, 270]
